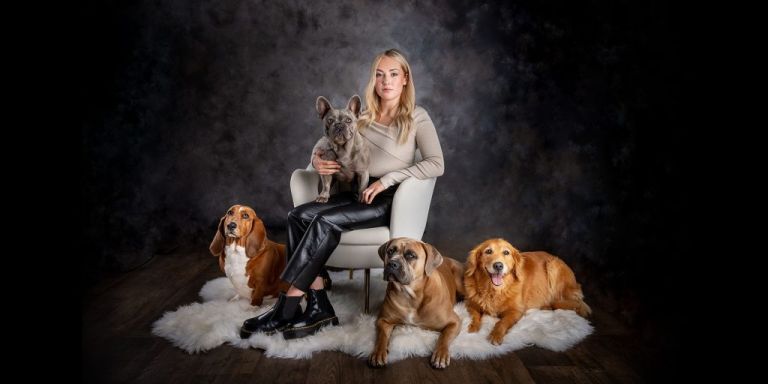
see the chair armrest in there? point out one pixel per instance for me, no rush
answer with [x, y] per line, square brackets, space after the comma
[304, 185]
[410, 208]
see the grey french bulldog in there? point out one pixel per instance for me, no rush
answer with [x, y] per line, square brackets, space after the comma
[342, 143]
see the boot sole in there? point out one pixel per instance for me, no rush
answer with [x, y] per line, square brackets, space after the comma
[297, 333]
[247, 334]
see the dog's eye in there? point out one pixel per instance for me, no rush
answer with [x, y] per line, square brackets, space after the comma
[390, 251]
[230, 212]
[409, 255]
[329, 121]
[246, 216]
[489, 251]
[506, 253]
[349, 120]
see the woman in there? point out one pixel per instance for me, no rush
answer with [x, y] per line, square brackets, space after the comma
[394, 127]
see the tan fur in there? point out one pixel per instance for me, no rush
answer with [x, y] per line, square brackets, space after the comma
[266, 258]
[532, 280]
[426, 300]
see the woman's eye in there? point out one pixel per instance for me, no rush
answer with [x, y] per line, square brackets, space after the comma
[489, 251]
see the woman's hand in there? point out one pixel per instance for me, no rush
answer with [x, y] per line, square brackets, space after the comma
[324, 167]
[371, 192]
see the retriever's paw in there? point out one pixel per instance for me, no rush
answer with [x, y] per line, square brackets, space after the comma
[474, 327]
[378, 359]
[496, 337]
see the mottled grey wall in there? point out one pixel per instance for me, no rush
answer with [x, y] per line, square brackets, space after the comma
[557, 121]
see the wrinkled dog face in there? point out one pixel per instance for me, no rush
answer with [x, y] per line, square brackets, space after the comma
[340, 124]
[238, 221]
[407, 260]
[403, 260]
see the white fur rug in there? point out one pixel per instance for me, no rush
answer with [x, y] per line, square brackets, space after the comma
[198, 327]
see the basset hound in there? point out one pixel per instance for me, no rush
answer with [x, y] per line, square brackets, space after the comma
[252, 262]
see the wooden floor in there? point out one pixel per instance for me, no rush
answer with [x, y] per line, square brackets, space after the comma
[118, 346]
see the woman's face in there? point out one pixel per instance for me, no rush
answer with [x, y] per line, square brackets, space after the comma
[390, 79]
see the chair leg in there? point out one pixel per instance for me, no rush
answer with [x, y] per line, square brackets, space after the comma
[351, 271]
[367, 288]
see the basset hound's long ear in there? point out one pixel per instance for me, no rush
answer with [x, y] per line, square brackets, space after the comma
[434, 258]
[473, 259]
[256, 239]
[217, 245]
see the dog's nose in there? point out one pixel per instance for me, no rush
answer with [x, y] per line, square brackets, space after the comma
[392, 265]
[232, 225]
[498, 266]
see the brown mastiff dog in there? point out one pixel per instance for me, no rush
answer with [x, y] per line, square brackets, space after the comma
[421, 291]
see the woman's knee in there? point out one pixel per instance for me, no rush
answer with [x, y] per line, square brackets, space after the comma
[300, 214]
[324, 219]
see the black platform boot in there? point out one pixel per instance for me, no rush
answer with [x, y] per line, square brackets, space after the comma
[319, 313]
[283, 313]
[327, 282]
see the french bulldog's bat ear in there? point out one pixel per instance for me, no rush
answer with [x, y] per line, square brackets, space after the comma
[323, 106]
[383, 250]
[354, 105]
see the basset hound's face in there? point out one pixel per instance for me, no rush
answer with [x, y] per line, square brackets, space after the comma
[238, 221]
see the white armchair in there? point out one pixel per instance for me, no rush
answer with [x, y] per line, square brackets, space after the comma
[358, 249]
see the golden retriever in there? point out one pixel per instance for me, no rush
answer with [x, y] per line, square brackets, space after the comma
[501, 281]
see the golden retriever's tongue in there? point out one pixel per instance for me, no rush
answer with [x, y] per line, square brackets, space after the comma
[496, 279]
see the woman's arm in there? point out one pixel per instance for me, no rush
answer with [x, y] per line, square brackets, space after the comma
[432, 163]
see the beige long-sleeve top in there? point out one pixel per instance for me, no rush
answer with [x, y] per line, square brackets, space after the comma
[393, 162]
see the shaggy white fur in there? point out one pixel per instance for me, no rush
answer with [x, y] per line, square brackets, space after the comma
[198, 327]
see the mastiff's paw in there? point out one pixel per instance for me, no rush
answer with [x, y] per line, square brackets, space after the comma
[441, 358]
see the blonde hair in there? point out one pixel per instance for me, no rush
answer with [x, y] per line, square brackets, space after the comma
[404, 115]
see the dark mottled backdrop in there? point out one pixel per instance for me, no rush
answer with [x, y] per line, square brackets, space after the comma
[557, 121]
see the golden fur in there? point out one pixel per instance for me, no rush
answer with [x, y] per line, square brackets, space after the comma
[266, 259]
[504, 282]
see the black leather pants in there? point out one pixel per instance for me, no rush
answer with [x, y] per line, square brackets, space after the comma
[314, 230]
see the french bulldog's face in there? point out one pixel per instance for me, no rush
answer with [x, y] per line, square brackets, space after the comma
[339, 124]
[407, 260]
